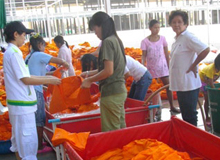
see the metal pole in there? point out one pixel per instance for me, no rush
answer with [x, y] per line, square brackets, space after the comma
[108, 7]
[48, 21]
[77, 14]
[143, 13]
[11, 10]
[24, 10]
[37, 22]
[62, 22]
[208, 27]
[101, 5]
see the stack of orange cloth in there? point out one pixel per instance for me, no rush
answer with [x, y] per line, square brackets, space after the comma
[144, 149]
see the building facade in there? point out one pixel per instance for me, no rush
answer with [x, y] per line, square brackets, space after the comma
[70, 17]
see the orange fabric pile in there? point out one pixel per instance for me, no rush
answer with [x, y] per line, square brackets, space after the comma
[2, 88]
[129, 82]
[144, 149]
[51, 49]
[80, 109]
[25, 49]
[155, 85]
[85, 44]
[1, 59]
[5, 127]
[69, 94]
[77, 140]
[57, 73]
[136, 53]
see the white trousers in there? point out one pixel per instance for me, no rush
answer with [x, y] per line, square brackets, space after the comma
[24, 136]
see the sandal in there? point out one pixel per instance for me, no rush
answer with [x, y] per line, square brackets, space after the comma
[45, 150]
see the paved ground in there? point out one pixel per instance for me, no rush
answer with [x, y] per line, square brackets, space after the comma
[43, 156]
[165, 116]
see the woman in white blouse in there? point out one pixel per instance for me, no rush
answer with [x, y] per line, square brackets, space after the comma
[186, 53]
[65, 54]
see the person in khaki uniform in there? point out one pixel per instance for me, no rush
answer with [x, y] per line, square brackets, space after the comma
[110, 73]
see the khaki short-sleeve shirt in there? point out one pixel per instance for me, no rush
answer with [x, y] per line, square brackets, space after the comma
[111, 51]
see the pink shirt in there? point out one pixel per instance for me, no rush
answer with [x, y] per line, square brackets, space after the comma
[156, 60]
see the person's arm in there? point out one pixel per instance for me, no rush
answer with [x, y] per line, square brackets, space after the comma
[39, 80]
[50, 73]
[166, 55]
[127, 75]
[59, 61]
[144, 54]
[200, 57]
[210, 83]
[105, 73]
[89, 73]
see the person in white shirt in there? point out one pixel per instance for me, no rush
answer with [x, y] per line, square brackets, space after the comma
[65, 54]
[186, 53]
[142, 78]
[21, 97]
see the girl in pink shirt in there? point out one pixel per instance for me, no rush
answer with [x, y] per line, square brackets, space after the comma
[155, 56]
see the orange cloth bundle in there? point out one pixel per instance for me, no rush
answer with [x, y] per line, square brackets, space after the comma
[70, 94]
[77, 140]
[87, 108]
[57, 74]
[80, 109]
[144, 149]
[5, 127]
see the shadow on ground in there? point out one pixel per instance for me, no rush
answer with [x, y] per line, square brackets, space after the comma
[42, 156]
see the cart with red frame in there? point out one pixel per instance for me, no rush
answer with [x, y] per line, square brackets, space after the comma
[136, 113]
[178, 134]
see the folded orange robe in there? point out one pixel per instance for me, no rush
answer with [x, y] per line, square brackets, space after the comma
[77, 140]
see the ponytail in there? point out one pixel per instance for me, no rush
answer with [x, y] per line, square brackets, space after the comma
[66, 43]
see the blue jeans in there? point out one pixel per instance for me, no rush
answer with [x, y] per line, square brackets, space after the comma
[139, 88]
[40, 113]
[188, 103]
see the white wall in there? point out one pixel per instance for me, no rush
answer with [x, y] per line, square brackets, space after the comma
[133, 38]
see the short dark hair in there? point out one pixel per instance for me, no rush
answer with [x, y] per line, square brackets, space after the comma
[217, 62]
[181, 13]
[35, 41]
[153, 22]
[86, 61]
[59, 39]
[12, 27]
